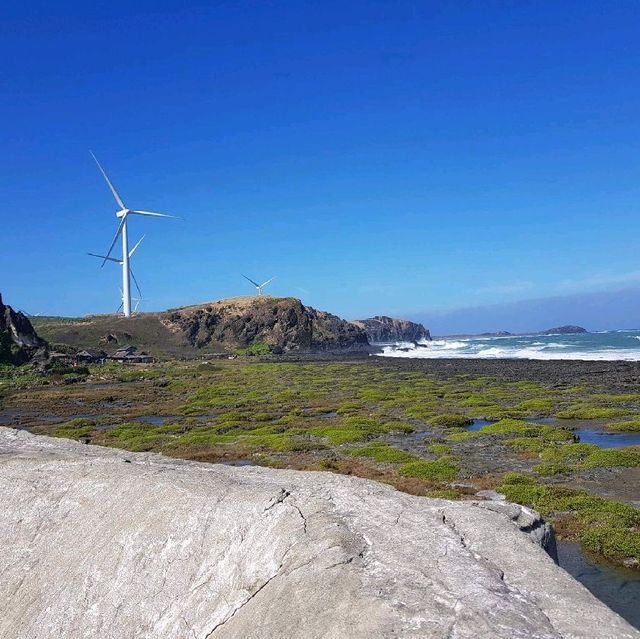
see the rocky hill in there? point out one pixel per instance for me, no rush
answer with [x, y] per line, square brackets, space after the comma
[108, 543]
[283, 324]
[382, 329]
[19, 341]
[268, 323]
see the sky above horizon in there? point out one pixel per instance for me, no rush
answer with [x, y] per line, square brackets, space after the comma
[390, 158]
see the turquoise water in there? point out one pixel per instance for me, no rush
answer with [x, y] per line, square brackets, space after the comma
[607, 345]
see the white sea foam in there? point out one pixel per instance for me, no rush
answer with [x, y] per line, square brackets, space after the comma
[593, 346]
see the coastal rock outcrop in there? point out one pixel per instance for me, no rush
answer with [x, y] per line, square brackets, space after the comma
[381, 329]
[569, 329]
[107, 543]
[283, 324]
[19, 341]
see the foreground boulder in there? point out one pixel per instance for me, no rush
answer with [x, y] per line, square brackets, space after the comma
[18, 339]
[382, 329]
[111, 544]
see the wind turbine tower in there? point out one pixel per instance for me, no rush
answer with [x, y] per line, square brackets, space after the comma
[259, 287]
[122, 214]
[133, 277]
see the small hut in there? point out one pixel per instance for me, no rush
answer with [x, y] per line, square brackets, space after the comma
[90, 356]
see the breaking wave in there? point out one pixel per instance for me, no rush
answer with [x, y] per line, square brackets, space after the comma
[606, 345]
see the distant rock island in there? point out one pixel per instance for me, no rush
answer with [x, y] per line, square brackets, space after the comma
[565, 330]
[19, 341]
[568, 329]
[381, 329]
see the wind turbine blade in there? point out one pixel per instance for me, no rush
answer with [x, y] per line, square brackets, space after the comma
[267, 282]
[113, 188]
[250, 280]
[133, 250]
[115, 237]
[135, 281]
[104, 257]
[152, 214]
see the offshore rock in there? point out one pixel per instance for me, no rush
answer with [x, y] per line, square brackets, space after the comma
[382, 329]
[104, 543]
[569, 329]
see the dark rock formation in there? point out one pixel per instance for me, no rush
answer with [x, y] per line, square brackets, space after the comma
[283, 324]
[382, 329]
[565, 330]
[18, 339]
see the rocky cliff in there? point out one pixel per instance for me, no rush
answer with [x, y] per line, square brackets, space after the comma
[106, 543]
[283, 324]
[381, 329]
[18, 339]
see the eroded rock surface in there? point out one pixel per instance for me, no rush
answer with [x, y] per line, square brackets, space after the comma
[381, 329]
[105, 543]
[284, 324]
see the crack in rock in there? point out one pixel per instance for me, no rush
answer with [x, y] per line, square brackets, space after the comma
[280, 499]
[452, 525]
[243, 604]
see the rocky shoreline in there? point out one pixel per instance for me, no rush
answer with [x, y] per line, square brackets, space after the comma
[610, 373]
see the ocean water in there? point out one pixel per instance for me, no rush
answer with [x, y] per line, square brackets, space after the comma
[605, 345]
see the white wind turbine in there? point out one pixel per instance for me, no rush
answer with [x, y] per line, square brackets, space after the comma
[259, 287]
[123, 213]
[133, 277]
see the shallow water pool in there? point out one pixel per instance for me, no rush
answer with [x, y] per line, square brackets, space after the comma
[619, 588]
[608, 440]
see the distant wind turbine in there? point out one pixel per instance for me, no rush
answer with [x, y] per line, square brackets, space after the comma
[133, 277]
[259, 287]
[137, 300]
[123, 213]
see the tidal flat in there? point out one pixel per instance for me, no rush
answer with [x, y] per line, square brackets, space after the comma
[431, 427]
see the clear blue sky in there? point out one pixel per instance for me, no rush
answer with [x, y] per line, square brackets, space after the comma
[376, 157]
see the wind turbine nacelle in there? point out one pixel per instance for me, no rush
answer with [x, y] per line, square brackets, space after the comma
[122, 212]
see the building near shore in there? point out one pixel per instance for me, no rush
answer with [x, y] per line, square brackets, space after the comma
[91, 356]
[130, 355]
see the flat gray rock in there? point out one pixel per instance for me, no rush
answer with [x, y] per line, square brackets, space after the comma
[103, 543]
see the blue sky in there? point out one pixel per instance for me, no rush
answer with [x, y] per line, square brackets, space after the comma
[376, 157]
